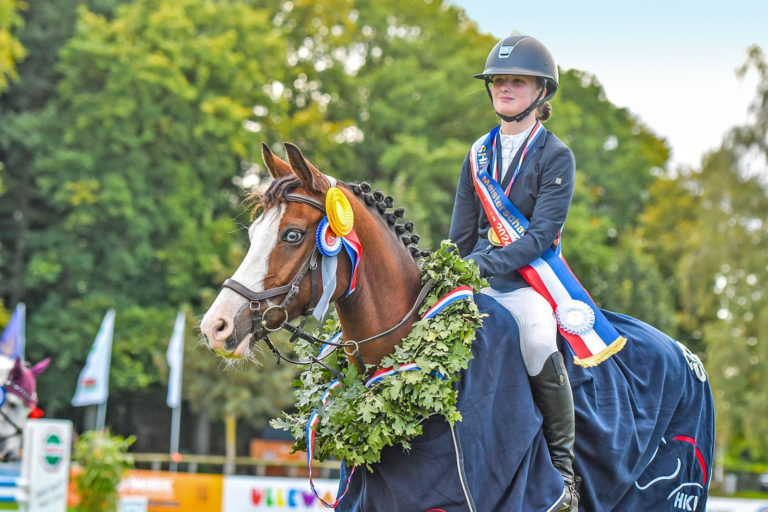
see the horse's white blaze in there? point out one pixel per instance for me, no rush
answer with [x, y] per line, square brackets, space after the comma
[263, 234]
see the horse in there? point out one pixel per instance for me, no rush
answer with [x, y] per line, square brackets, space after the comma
[644, 417]
[18, 401]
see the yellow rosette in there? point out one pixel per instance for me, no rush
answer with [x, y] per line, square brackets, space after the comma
[339, 212]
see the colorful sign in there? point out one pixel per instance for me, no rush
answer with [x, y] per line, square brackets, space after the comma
[173, 491]
[265, 494]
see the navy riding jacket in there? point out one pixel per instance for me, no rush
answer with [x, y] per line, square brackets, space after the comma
[542, 192]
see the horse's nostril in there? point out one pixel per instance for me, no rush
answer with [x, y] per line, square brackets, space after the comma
[221, 326]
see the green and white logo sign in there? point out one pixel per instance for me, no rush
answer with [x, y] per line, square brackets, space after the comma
[52, 451]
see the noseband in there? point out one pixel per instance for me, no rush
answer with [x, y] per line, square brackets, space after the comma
[290, 290]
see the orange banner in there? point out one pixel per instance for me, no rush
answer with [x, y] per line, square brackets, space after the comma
[177, 491]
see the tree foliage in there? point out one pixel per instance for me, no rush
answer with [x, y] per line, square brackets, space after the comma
[11, 50]
[707, 229]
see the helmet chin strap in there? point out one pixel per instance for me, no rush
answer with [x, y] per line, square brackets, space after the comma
[522, 115]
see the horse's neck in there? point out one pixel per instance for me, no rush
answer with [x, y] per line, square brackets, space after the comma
[388, 284]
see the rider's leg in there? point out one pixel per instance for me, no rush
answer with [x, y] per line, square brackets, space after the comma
[549, 380]
[552, 393]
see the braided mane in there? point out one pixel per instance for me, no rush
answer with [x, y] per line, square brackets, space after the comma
[375, 200]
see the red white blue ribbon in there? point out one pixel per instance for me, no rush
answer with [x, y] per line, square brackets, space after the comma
[386, 372]
[327, 348]
[355, 251]
[460, 293]
[591, 337]
[313, 420]
[538, 128]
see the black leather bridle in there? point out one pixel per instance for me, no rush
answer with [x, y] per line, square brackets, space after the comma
[260, 329]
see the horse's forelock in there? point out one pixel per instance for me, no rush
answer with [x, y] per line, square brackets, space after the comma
[261, 201]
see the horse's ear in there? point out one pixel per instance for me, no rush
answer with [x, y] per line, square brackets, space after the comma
[40, 367]
[18, 366]
[277, 167]
[306, 172]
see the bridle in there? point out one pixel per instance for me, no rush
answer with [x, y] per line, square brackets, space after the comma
[259, 328]
[17, 429]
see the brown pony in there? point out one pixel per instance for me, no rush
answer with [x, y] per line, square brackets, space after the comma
[283, 240]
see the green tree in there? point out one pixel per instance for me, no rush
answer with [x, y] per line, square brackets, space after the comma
[23, 209]
[736, 236]
[707, 229]
[11, 50]
[619, 157]
[145, 135]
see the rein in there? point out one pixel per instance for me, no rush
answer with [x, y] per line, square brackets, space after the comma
[290, 290]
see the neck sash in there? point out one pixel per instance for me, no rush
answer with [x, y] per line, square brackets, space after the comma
[591, 337]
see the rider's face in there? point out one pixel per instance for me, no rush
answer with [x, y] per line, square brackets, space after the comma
[513, 93]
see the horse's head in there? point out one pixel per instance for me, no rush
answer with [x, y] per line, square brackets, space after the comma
[19, 397]
[284, 274]
[273, 283]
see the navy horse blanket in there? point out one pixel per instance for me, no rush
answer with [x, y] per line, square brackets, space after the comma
[644, 434]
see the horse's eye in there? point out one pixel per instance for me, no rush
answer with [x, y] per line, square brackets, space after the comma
[293, 236]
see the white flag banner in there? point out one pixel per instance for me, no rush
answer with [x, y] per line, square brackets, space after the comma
[93, 383]
[175, 357]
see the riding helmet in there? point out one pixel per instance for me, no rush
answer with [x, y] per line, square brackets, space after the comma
[522, 55]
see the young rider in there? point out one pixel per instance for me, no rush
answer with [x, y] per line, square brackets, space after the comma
[535, 170]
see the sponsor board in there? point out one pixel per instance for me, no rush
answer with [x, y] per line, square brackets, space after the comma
[173, 491]
[266, 494]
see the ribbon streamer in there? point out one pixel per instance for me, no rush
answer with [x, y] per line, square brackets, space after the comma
[328, 269]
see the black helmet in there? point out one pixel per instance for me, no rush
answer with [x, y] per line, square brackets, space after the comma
[522, 55]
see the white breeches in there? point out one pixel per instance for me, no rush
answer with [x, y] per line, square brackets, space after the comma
[536, 322]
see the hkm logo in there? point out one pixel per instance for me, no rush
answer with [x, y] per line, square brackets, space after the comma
[685, 502]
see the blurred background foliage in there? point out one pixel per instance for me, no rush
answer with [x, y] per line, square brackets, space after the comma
[131, 130]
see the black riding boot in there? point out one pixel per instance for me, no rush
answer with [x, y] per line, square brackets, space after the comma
[552, 393]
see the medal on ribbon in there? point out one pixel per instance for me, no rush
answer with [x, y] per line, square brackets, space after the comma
[494, 238]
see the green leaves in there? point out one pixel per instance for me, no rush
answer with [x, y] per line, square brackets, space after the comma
[357, 423]
[103, 460]
[11, 50]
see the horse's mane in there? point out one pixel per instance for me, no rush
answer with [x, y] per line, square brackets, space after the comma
[374, 201]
